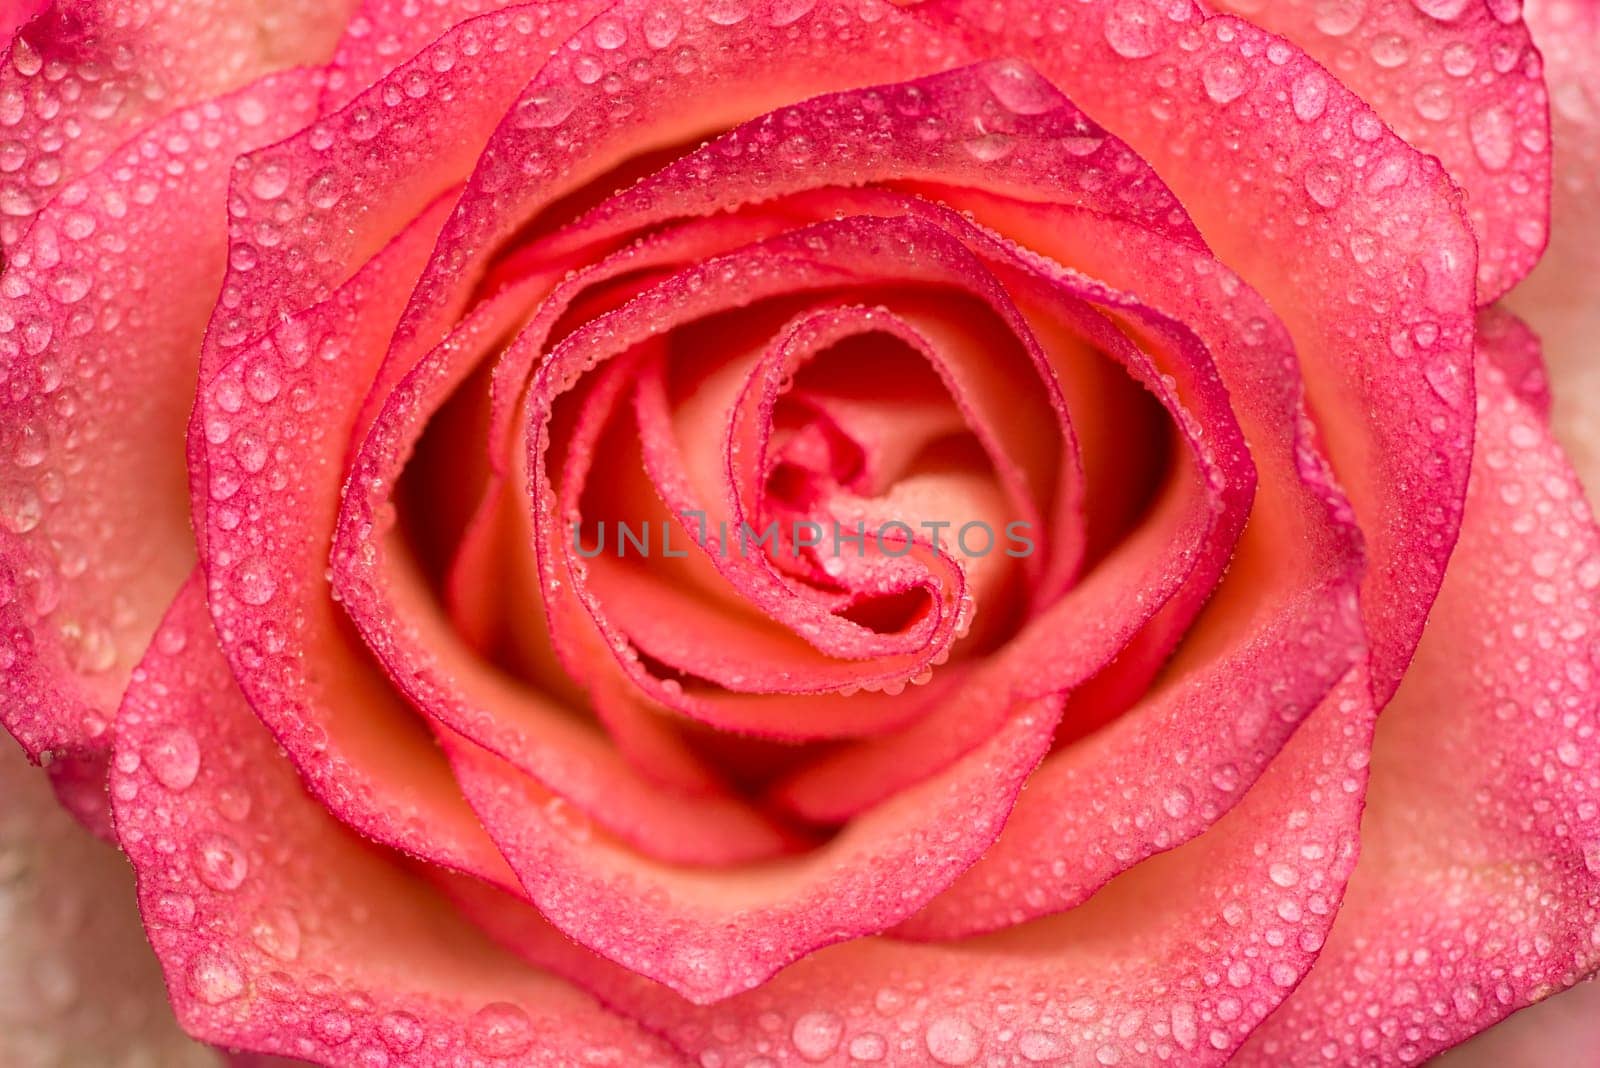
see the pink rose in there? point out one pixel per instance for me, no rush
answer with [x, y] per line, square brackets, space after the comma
[762, 532]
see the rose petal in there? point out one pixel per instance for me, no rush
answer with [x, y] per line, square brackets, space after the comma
[94, 520]
[1382, 329]
[1480, 869]
[1458, 79]
[78, 985]
[383, 34]
[280, 930]
[708, 935]
[427, 660]
[272, 427]
[1559, 300]
[81, 78]
[1259, 892]
[306, 212]
[1541, 1034]
[1049, 137]
[668, 62]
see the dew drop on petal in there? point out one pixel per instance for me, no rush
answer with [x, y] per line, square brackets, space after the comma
[816, 1035]
[1491, 133]
[173, 757]
[219, 862]
[1310, 96]
[214, 977]
[253, 583]
[1130, 29]
[500, 1029]
[1021, 89]
[400, 1031]
[1225, 77]
[952, 1041]
[1443, 10]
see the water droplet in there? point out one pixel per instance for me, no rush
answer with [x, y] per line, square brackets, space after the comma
[952, 1041]
[21, 508]
[1324, 183]
[728, 12]
[70, 285]
[400, 1031]
[1310, 97]
[1225, 77]
[214, 976]
[253, 583]
[660, 27]
[1338, 17]
[1491, 131]
[1177, 802]
[1040, 1046]
[1020, 88]
[610, 33]
[868, 1046]
[816, 1035]
[548, 106]
[277, 933]
[219, 862]
[1444, 377]
[1130, 29]
[500, 1029]
[990, 148]
[269, 181]
[173, 757]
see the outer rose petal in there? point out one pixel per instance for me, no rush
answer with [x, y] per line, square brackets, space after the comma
[1355, 239]
[1173, 962]
[670, 64]
[1479, 887]
[104, 304]
[282, 931]
[1561, 299]
[1455, 78]
[305, 213]
[272, 428]
[77, 983]
[84, 75]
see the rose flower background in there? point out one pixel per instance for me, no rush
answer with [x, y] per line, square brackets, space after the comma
[332, 332]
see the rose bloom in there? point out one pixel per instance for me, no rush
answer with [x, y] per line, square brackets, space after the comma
[333, 336]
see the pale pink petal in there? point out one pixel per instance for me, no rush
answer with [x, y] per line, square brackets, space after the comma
[1562, 1028]
[1561, 299]
[105, 303]
[83, 77]
[1480, 868]
[78, 984]
[427, 659]
[708, 935]
[1022, 152]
